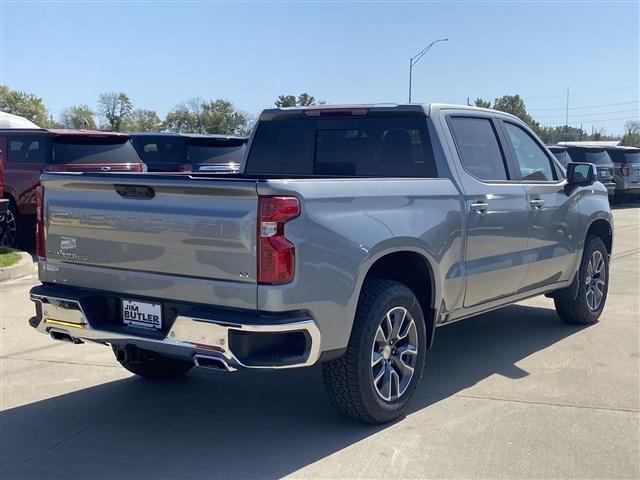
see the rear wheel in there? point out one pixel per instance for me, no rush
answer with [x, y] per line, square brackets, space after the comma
[375, 379]
[593, 285]
[153, 366]
[9, 227]
[619, 197]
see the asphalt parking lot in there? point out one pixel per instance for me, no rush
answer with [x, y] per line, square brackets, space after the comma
[511, 394]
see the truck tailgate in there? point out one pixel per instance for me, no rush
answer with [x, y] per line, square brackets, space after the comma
[175, 237]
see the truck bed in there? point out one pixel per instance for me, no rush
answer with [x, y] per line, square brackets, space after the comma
[155, 235]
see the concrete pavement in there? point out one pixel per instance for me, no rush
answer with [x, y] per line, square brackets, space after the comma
[511, 394]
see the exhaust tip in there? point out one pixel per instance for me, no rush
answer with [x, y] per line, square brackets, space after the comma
[63, 336]
[212, 363]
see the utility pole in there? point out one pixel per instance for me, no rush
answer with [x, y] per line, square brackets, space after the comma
[416, 58]
[410, 70]
[566, 119]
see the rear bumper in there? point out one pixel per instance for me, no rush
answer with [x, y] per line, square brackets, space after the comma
[627, 186]
[212, 337]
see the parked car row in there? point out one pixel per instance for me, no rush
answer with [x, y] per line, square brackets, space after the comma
[26, 153]
[618, 167]
[174, 152]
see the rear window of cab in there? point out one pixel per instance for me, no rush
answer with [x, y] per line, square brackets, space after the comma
[357, 147]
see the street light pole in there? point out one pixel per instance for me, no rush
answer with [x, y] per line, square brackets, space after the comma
[416, 58]
[410, 69]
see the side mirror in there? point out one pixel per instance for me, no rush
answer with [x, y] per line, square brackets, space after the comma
[581, 173]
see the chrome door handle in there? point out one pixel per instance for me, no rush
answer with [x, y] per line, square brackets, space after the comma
[479, 207]
[537, 203]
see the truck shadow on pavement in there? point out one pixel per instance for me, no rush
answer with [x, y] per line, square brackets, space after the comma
[247, 425]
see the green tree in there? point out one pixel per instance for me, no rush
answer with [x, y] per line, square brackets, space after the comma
[514, 105]
[78, 117]
[212, 116]
[479, 102]
[141, 120]
[631, 136]
[286, 101]
[303, 100]
[25, 104]
[185, 117]
[553, 135]
[114, 107]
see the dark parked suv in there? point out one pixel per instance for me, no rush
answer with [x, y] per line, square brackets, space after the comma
[174, 152]
[27, 153]
[626, 161]
[600, 158]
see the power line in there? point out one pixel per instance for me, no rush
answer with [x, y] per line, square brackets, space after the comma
[591, 113]
[620, 89]
[582, 108]
[599, 120]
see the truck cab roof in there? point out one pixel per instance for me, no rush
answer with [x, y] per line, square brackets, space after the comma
[359, 110]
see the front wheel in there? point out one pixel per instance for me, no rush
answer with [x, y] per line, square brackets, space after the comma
[593, 285]
[377, 376]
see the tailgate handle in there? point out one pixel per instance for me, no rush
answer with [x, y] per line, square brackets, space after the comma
[139, 192]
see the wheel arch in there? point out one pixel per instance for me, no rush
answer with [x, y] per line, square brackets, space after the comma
[8, 194]
[603, 229]
[411, 267]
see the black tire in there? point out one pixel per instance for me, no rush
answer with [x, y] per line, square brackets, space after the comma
[157, 367]
[619, 198]
[578, 310]
[349, 380]
[10, 224]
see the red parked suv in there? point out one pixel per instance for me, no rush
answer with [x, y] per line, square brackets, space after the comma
[26, 153]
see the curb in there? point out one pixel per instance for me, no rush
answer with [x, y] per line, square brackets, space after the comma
[25, 267]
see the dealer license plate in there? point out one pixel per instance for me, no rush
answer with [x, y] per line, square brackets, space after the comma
[142, 314]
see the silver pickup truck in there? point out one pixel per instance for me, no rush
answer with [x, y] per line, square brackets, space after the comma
[349, 235]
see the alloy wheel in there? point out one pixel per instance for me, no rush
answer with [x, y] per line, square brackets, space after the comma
[8, 229]
[394, 353]
[595, 281]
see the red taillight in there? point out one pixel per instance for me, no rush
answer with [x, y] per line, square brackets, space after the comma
[185, 167]
[625, 170]
[276, 255]
[40, 248]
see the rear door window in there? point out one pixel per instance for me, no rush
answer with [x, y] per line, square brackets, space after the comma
[599, 157]
[220, 153]
[160, 149]
[632, 157]
[93, 150]
[533, 162]
[361, 147]
[27, 149]
[478, 146]
[562, 156]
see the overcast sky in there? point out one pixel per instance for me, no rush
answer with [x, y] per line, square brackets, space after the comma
[162, 53]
